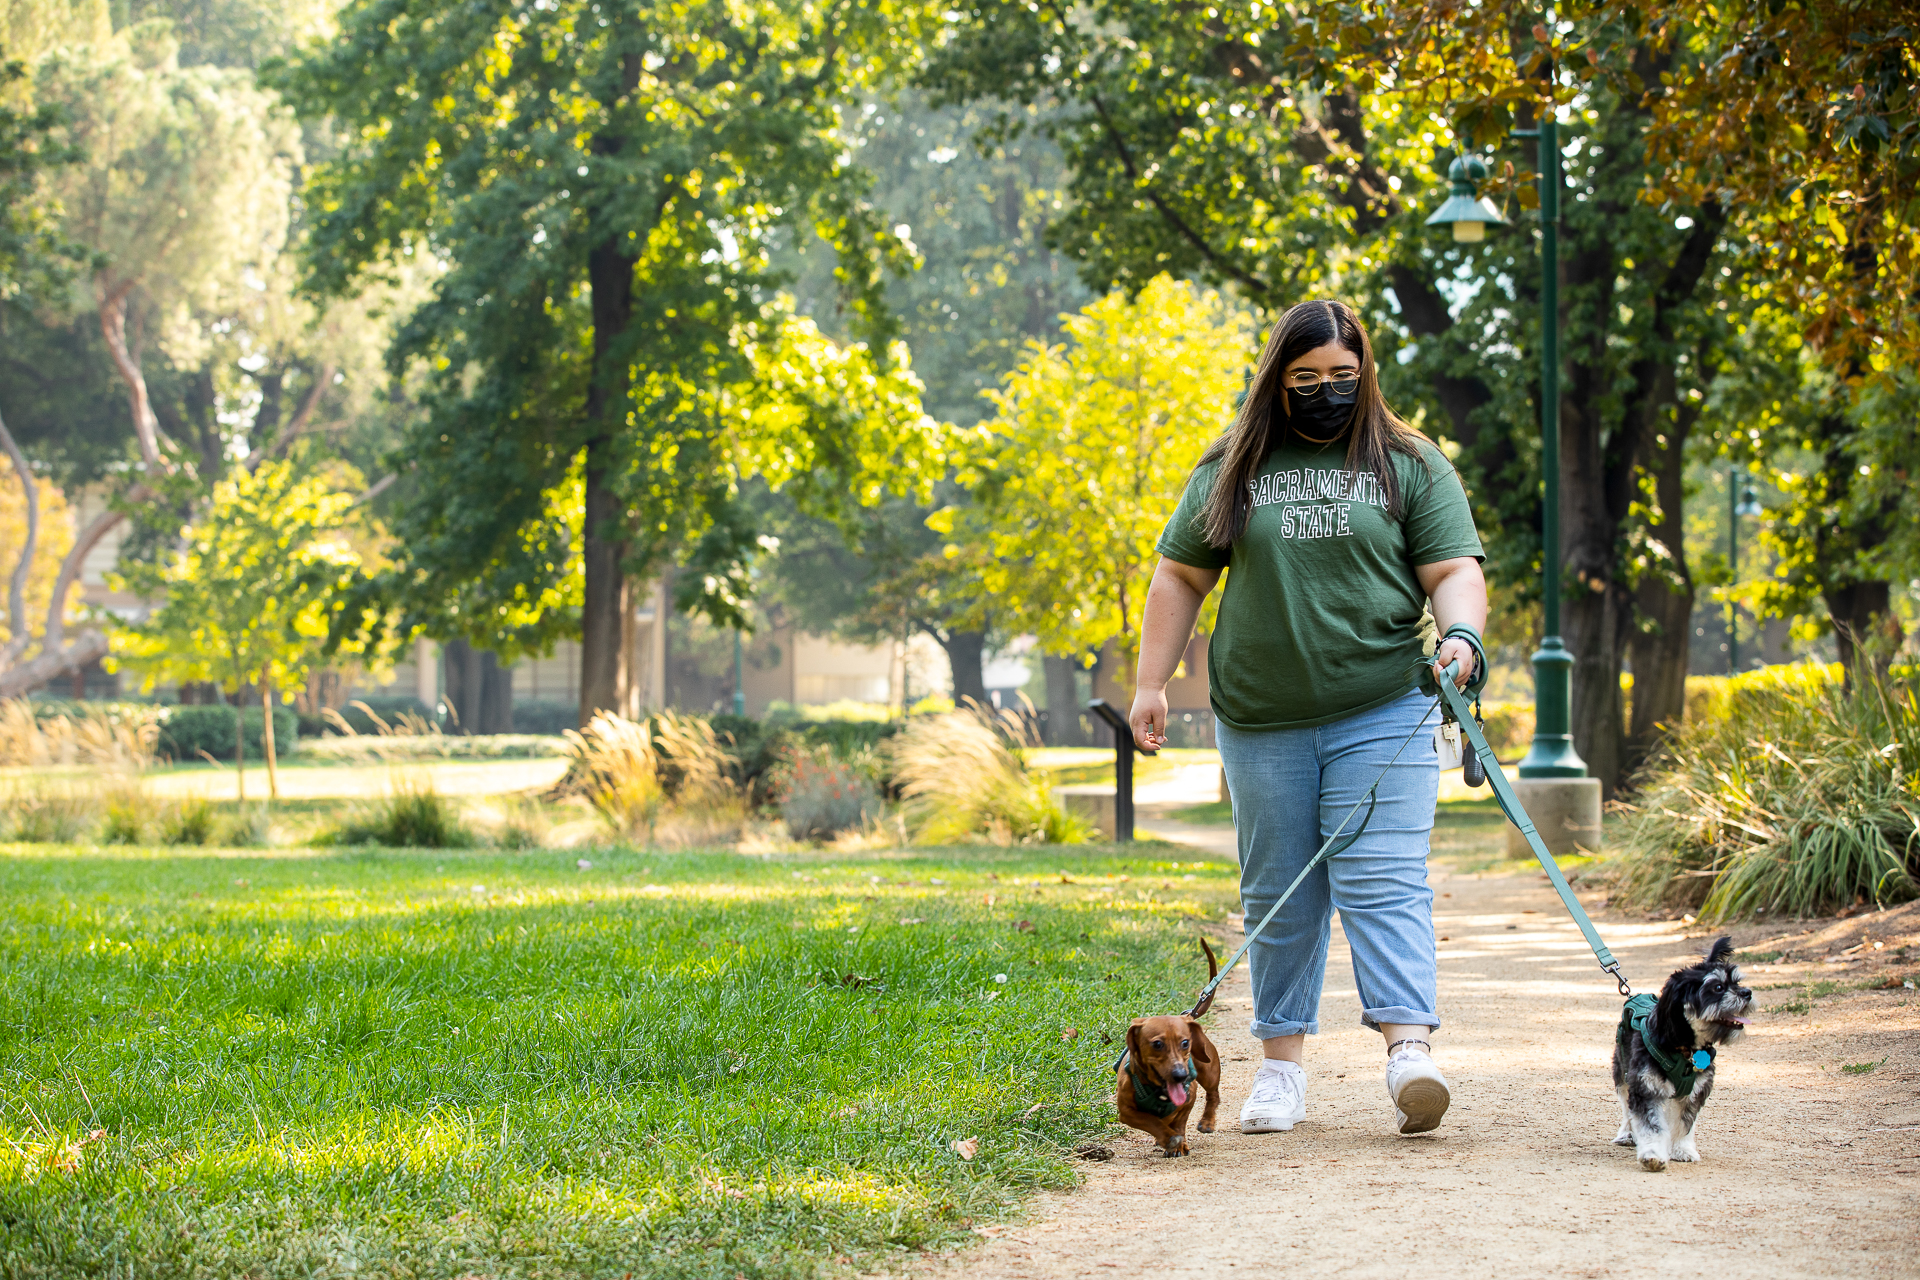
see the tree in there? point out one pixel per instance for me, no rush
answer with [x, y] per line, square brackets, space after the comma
[605, 183]
[250, 597]
[1075, 476]
[1276, 152]
[977, 210]
[178, 195]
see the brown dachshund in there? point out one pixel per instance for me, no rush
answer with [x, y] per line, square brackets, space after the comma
[1166, 1057]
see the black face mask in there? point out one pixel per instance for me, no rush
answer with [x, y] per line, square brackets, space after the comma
[1324, 415]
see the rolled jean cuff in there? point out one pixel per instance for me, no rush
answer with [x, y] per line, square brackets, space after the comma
[1268, 1030]
[1400, 1015]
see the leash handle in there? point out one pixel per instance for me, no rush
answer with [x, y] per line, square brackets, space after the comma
[1517, 814]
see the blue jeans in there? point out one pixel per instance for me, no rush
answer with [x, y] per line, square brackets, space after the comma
[1278, 778]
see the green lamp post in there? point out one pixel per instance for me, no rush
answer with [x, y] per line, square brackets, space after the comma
[739, 673]
[1552, 754]
[1741, 501]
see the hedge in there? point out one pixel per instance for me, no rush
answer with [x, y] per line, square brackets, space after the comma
[187, 731]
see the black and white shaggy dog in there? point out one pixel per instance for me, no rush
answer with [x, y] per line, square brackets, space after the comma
[1664, 1052]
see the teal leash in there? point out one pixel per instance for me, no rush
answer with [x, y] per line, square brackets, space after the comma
[1510, 805]
[1458, 710]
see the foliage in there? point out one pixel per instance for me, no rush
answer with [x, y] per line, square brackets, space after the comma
[48, 810]
[632, 771]
[201, 142]
[698, 1033]
[30, 250]
[187, 822]
[188, 731]
[1806, 118]
[411, 816]
[822, 794]
[1789, 795]
[961, 779]
[1074, 478]
[251, 592]
[117, 736]
[371, 749]
[606, 185]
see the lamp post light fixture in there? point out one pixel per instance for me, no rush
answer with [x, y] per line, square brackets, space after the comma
[1552, 754]
[1741, 501]
[1466, 210]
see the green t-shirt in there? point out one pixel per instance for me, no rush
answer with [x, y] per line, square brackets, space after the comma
[1321, 616]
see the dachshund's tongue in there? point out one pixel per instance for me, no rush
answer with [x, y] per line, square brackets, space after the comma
[1177, 1094]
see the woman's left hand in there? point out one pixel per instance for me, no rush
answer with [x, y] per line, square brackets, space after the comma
[1454, 650]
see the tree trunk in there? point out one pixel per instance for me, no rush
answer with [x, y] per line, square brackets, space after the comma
[966, 654]
[603, 659]
[239, 751]
[479, 690]
[1063, 702]
[1658, 646]
[266, 732]
[496, 695]
[1864, 625]
[113, 327]
[19, 629]
[1860, 610]
[1596, 469]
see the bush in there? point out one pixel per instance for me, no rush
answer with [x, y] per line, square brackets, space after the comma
[412, 817]
[48, 811]
[117, 735]
[187, 822]
[545, 715]
[633, 772]
[523, 824]
[361, 712]
[1787, 793]
[822, 795]
[962, 779]
[380, 748]
[187, 731]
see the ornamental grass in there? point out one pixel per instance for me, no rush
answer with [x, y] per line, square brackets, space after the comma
[1793, 794]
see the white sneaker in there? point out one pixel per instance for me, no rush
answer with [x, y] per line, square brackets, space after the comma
[1278, 1100]
[1418, 1090]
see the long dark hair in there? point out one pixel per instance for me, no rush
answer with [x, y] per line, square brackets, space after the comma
[1374, 434]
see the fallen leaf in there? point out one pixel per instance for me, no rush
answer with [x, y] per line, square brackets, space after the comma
[1035, 1107]
[1071, 1033]
[966, 1148]
[1023, 926]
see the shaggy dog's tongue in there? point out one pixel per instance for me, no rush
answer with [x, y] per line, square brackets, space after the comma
[1177, 1094]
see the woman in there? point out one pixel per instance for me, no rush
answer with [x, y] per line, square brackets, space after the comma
[1342, 526]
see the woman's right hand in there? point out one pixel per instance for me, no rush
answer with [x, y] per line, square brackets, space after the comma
[1148, 719]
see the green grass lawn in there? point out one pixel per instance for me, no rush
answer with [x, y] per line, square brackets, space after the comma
[469, 1064]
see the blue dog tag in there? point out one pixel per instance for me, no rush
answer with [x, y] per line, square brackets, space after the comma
[1702, 1059]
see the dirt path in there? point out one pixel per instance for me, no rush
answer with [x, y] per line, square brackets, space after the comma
[1808, 1170]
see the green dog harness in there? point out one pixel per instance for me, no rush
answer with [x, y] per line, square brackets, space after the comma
[1144, 1098]
[1679, 1068]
